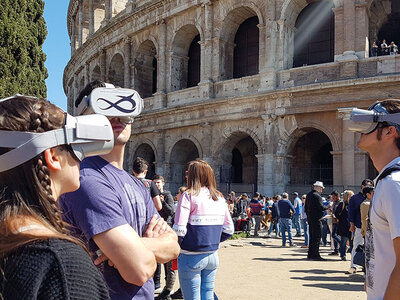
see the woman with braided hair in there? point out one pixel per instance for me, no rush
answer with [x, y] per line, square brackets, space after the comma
[38, 259]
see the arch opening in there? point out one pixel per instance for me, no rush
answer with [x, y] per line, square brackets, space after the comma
[146, 69]
[314, 37]
[239, 169]
[116, 71]
[384, 23]
[185, 58]
[246, 52]
[182, 153]
[311, 159]
[96, 73]
[146, 152]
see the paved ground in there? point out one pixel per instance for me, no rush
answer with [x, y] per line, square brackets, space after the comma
[259, 268]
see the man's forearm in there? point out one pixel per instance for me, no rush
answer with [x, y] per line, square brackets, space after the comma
[165, 247]
[393, 288]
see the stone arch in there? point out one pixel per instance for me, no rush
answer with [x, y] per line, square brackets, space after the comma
[287, 141]
[182, 152]
[384, 21]
[230, 131]
[146, 69]
[238, 163]
[116, 70]
[180, 55]
[96, 73]
[146, 150]
[232, 22]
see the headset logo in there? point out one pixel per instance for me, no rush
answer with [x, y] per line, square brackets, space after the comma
[117, 105]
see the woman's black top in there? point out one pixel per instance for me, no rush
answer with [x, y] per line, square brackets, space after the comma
[50, 269]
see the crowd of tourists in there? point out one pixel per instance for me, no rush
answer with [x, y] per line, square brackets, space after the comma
[75, 225]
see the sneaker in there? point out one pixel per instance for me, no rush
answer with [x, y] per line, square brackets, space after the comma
[343, 258]
[298, 235]
[177, 294]
[292, 245]
[334, 253]
[157, 287]
[352, 270]
[304, 246]
[164, 295]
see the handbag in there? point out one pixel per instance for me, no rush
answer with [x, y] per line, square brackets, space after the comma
[359, 257]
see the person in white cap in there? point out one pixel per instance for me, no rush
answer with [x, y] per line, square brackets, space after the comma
[315, 210]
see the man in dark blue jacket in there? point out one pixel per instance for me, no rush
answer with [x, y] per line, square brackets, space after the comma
[286, 210]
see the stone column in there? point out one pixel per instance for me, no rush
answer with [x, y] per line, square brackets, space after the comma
[362, 30]
[130, 6]
[349, 36]
[127, 62]
[103, 65]
[73, 35]
[91, 17]
[87, 73]
[80, 25]
[160, 97]
[348, 145]
[160, 153]
[339, 31]
[108, 9]
[268, 37]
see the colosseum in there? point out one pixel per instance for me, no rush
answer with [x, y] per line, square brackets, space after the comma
[253, 87]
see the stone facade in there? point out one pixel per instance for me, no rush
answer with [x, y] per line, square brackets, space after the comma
[273, 131]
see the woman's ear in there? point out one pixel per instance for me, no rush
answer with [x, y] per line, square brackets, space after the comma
[52, 157]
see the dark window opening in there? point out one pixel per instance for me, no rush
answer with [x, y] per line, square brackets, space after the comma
[314, 40]
[246, 52]
[194, 62]
[237, 166]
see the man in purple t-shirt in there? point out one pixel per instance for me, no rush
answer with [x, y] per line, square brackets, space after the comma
[114, 212]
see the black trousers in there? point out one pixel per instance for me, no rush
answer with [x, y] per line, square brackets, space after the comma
[315, 229]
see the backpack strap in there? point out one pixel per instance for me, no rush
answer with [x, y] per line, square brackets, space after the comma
[387, 172]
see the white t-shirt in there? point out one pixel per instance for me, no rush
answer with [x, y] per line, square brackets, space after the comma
[383, 227]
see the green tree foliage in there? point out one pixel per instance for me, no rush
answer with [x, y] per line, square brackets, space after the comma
[22, 34]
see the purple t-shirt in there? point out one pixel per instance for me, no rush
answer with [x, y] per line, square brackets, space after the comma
[109, 197]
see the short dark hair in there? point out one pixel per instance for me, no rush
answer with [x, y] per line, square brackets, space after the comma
[367, 182]
[367, 190]
[140, 165]
[257, 194]
[336, 193]
[392, 106]
[87, 90]
[158, 177]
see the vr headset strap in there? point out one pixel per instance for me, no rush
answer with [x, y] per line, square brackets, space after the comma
[27, 145]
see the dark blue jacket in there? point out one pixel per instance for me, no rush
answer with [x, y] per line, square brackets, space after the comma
[354, 209]
[285, 206]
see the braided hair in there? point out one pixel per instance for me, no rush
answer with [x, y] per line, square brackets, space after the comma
[25, 191]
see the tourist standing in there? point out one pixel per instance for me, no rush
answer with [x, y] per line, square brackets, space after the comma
[315, 211]
[286, 210]
[202, 221]
[297, 204]
[343, 224]
[304, 222]
[257, 210]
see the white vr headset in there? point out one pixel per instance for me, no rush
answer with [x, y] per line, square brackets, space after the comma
[86, 135]
[112, 102]
[366, 121]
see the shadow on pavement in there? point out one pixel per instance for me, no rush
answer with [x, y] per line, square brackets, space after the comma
[353, 278]
[317, 271]
[338, 286]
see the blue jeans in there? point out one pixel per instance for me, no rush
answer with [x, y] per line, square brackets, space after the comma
[197, 275]
[272, 226]
[342, 249]
[296, 224]
[305, 228]
[286, 225]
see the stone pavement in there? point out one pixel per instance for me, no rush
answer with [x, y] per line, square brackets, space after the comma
[259, 268]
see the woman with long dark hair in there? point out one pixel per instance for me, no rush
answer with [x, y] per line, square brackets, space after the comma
[38, 258]
[202, 221]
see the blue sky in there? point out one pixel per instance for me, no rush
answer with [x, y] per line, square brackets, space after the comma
[57, 49]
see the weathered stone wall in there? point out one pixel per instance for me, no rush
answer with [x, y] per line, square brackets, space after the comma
[263, 116]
